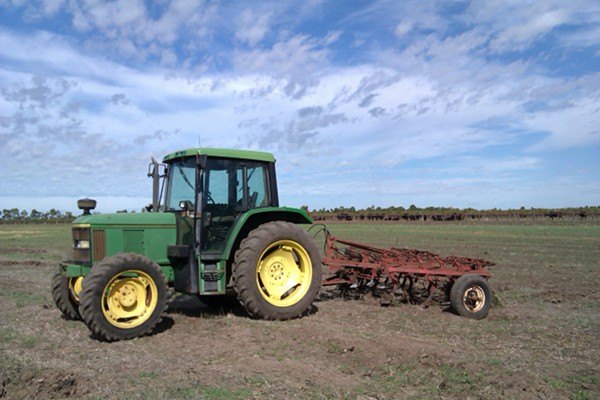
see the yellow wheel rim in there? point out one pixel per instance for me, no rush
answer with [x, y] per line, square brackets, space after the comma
[75, 286]
[284, 273]
[129, 299]
[474, 298]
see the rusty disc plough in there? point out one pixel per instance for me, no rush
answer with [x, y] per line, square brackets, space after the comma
[406, 275]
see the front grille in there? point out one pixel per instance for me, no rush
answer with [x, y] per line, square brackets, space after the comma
[99, 244]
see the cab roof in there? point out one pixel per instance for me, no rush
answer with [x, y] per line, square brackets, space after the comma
[224, 153]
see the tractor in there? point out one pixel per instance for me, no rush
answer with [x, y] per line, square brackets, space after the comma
[214, 228]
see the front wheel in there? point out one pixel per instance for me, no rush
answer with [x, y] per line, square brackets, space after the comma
[470, 296]
[124, 297]
[277, 271]
[65, 293]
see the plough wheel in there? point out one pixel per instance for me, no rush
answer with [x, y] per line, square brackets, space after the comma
[277, 271]
[471, 297]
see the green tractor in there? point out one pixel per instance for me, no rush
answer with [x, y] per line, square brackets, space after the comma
[219, 231]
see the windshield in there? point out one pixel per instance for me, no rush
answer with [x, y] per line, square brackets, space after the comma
[181, 183]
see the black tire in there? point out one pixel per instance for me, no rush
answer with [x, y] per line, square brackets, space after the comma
[470, 296]
[63, 297]
[266, 241]
[118, 285]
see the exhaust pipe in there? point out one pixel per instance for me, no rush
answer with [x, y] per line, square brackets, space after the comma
[154, 173]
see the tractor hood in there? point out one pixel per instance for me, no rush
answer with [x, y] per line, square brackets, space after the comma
[127, 219]
[148, 234]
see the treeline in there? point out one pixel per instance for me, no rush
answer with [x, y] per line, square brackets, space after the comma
[414, 213]
[16, 216]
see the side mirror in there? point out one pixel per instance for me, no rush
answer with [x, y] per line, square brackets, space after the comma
[157, 168]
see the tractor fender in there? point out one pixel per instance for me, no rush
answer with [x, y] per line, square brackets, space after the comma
[254, 218]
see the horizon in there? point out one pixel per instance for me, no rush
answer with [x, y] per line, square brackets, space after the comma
[340, 209]
[462, 104]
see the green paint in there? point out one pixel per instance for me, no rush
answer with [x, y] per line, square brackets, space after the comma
[222, 153]
[73, 270]
[267, 214]
[129, 220]
[207, 286]
[168, 272]
[148, 234]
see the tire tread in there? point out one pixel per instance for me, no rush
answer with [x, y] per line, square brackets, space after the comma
[244, 272]
[62, 297]
[457, 291]
[95, 283]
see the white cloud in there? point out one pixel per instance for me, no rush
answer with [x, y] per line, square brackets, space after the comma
[51, 7]
[252, 27]
[522, 35]
[587, 37]
[403, 28]
[338, 116]
[514, 26]
[574, 126]
[299, 55]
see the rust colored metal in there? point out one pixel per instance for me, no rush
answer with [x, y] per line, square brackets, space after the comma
[413, 275]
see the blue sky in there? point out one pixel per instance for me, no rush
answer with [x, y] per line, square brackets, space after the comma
[453, 103]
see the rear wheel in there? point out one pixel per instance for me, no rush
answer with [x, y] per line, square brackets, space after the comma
[277, 271]
[470, 296]
[124, 297]
[65, 292]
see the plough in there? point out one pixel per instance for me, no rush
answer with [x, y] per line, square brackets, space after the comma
[407, 275]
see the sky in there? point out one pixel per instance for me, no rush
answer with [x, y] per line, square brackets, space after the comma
[483, 104]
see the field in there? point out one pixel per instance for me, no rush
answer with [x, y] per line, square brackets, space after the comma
[540, 341]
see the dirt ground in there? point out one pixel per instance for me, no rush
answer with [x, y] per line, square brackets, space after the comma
[540, 341]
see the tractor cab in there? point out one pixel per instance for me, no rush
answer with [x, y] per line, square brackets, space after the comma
[214, 191]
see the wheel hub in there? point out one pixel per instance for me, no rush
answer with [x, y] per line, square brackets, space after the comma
[474, 298]
[283, 273]
[126, 296]
[129, 299]
[277, 271]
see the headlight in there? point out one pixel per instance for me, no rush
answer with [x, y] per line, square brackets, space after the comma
[82, 244]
